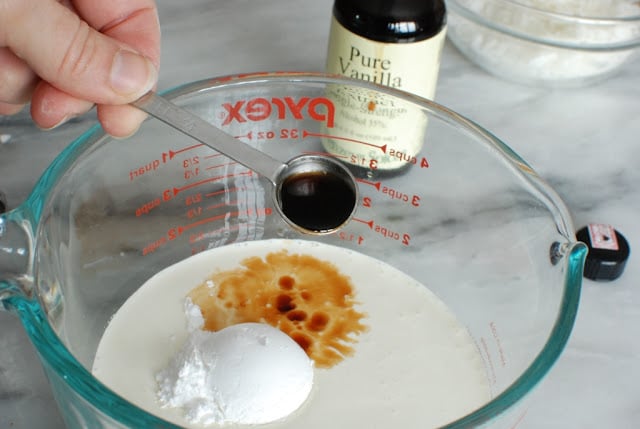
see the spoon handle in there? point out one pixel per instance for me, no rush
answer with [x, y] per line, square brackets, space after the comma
[206, 133]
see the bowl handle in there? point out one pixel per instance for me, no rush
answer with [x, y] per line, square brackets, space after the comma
[16, 244]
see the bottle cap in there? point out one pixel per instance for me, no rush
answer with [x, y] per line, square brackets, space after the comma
[608, 251]
[396, 21]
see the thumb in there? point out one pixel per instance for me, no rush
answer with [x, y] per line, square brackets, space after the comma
[75, 58]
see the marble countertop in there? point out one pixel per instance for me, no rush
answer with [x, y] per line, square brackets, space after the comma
[584, 142]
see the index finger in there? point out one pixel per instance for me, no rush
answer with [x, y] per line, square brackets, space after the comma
[69, 53]
[133, 22]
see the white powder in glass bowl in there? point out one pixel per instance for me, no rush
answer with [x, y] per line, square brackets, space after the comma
[542, 41]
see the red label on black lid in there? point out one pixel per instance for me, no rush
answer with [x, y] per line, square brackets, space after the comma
[603, 236]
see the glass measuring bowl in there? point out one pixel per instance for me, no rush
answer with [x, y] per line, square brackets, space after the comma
[457, 211]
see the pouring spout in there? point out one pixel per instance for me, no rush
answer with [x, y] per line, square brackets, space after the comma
[15, 255]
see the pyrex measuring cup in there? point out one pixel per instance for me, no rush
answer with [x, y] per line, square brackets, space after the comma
[441, 200]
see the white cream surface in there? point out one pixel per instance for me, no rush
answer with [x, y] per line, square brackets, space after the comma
[415, 367]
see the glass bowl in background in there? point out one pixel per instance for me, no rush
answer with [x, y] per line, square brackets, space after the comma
[546, 43]
[456, 210]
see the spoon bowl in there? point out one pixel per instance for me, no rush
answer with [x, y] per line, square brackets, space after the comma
[316, 194]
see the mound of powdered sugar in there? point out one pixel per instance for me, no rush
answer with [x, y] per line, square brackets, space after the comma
[249, 373]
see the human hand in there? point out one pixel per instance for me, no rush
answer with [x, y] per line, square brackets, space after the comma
[65, 56]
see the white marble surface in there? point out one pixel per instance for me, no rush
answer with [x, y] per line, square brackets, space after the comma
[584, 142]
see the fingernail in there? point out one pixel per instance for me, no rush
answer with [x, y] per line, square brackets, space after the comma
[132, 73]
[126, 136]
[56, 125]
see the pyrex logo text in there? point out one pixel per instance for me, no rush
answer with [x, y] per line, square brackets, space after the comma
[259, 109]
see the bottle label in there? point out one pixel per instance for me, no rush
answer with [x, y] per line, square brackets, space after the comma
[375, 131]
[603, 236]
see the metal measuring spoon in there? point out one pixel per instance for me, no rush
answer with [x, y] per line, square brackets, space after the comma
[313, 193]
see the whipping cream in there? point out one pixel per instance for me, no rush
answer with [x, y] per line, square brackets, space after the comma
[404, 361]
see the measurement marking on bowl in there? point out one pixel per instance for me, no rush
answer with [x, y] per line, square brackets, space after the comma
[170, 194]
[367, 182]
[350, 237]
[225, 204]
[520, 419]
[386, 232]
[192, 166]
[225, 191]
[382, 148]
[196, 207]
[145, 169]
[227, 164]
[175, 232]
[489, 360]
[154, 164]
[176, 190]
[498, 342]
[394, 194]
[198, 211]
[392, 151]
[324, 219]
[199, 236]
[172, 153]
[295, 133]
[285, 133]
[213, 155]
[195, 166]
[197, 199]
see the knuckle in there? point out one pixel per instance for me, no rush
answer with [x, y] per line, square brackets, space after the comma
[79, 54]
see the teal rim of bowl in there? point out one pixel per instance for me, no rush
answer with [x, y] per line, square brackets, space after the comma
[547, 357]
[59, 359]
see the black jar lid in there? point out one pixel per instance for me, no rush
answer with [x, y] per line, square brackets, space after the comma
[608, 251]
[395, 21]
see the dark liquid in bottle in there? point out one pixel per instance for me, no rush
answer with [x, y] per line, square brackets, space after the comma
[396, 21]
[317, 201]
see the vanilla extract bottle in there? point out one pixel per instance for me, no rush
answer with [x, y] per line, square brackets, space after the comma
[396, 43]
